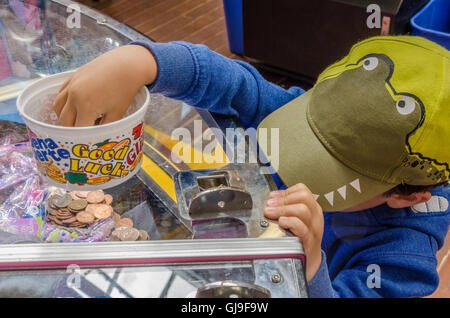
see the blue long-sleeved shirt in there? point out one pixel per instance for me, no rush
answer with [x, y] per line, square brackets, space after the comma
[379, 252]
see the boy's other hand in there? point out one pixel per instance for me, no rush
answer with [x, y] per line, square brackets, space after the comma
[105, 86]
[298, 211]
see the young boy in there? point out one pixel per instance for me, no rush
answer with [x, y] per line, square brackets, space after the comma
[368, 140]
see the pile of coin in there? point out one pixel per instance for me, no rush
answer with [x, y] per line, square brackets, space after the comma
[83, 208]
[79, 208]
[126, 232]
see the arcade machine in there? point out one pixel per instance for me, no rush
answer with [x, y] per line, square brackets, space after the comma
[207, 236]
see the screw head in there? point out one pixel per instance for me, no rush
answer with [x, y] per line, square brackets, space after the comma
[275, 278]
[264, 223]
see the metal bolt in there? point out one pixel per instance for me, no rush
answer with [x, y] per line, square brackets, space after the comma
[221, 204]
[264, 223]
[275, 278]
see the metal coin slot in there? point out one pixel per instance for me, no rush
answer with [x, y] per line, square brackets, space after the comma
[219, 192]
[213, 181]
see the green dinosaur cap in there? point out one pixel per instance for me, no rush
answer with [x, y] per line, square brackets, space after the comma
[375, 119]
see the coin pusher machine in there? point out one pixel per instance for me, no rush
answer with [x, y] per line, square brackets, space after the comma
[209, 237]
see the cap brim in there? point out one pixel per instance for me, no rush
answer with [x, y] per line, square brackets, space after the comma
[303, 159]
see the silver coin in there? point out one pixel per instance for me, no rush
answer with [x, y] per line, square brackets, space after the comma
[125, 233]
[62, 201]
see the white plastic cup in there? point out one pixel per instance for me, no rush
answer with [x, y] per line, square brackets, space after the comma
[82, 158]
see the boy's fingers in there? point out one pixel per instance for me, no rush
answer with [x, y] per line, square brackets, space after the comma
[295, 225]
[110, 117]
[64, 85]
[293, 197]
[60, 101]
[85, 119]
[300, 211]
[68, 115]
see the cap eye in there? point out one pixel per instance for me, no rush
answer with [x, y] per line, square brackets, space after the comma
[406, 105]
[370, 63]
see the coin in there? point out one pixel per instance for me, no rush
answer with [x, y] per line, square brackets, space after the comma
[52, 211]
[95, 196]
[124, 222]
[78, 205]
[108, 199]
[85, 217]
[62, 201]
[70, 220]
[55, 220]
[102, 211]
[81, 194]
[90, 208]
[125, 233]
[78, 224]
[143, 235]
[65, 217]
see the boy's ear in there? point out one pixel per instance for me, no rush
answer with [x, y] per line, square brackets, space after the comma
[398, 201]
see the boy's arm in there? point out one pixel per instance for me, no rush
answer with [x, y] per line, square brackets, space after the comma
[377, 275]
[203, 78]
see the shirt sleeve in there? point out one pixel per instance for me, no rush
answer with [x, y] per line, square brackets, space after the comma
[202, 78]
[389, 275]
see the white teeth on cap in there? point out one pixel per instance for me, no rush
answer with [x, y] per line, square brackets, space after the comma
[330, 197]
[315, 196]
[355, 184]
[342, 191]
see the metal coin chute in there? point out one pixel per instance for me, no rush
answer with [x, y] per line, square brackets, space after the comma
[221, 191]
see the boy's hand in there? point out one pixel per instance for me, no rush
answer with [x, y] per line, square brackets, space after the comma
[105, 86]
[298, 211]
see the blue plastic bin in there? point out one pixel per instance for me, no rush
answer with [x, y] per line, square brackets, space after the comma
[433, 22]
[233, 19]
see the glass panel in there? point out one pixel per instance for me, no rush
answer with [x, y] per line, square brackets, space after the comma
[275, 276]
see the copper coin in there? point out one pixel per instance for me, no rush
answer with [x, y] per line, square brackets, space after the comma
[78, 205]
[85, 217]
[102, 211]
[108, 199]
[91, 208]
[95, 196]
[64, 216]
[69, 221]
[52, 211]
[78, 224]
[125, 222]
[55, 220]
[81, 194]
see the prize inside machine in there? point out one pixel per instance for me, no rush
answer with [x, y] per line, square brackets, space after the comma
[188, 222]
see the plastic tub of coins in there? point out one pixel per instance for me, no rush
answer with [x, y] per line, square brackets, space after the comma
[82, 158]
